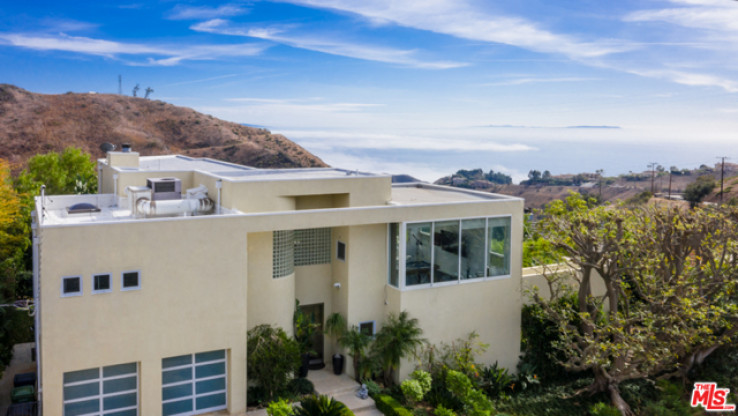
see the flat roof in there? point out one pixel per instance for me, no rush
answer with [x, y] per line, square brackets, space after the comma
[421, 193]
[109, 209]
[235, 172]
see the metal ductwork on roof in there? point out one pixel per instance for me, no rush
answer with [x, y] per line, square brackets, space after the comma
[158, 199]
[174, 207]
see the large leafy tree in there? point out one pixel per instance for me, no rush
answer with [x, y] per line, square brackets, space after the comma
[699, 189]
[13, 243]
[670, 290]
[70, 172]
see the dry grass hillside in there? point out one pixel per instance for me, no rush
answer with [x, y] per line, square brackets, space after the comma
[36, 123]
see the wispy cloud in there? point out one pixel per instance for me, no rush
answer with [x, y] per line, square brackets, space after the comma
[713, 16]
[538, 80]
[316, 139]
[330, 46]
[163, 55]
[582, 126]
[305, 104]
[184, 12]
[461, 19]
[197, 81]
[692, 79]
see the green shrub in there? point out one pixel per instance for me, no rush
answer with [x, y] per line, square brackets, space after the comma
[322, 406]
[495, 381]
[372, 387]
[475, 402]
[272, 359]
[439, 394]
[301, 386]
[538, 335]
[442, 411]
[603, 409]
[412, 391]
[672, 401]
[389, 406]
[280, 407]
[415, 388]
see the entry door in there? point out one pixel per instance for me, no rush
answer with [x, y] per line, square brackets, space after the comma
[315, 314]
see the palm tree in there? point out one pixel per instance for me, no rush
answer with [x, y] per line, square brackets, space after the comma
[398, 338]
[352, 339]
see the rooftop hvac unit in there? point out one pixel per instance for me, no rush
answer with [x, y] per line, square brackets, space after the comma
[164, 188]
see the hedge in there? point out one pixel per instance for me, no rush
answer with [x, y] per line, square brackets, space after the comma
[389, 406]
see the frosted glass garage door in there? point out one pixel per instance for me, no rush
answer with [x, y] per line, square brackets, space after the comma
[106, 391]
[194, 384]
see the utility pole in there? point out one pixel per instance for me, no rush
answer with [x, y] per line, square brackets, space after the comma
[652, 165]
[669, 184]
[120, 85]
[599, 174]
[722, 176]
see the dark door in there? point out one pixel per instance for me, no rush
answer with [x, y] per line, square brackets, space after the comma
[315, 314]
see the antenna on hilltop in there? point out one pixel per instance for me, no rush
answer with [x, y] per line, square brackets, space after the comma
[135, 89]
[120, 85]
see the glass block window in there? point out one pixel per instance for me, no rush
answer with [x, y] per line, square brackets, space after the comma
[194, 383]
[283, 249]
[111, 390]
[312, 246]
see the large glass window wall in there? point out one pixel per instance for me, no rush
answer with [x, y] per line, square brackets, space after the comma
[448, 251]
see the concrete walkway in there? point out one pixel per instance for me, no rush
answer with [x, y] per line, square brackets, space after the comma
[342, 388]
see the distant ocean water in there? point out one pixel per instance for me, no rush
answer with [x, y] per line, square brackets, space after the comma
[615, 156]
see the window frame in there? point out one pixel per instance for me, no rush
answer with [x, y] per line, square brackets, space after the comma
[340, 243]
[110, 283]
[123, 287]
[72, 294]
[194, 380]
[101, 395]
[402, 272]
[374, 326]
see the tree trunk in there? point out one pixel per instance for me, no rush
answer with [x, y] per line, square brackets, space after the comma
[604, 383]
[618, 402]
[357, 376]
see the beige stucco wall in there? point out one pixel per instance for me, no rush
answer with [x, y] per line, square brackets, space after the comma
[534, 279]
[284, 195]
[271, 301]
[192, 299]
[314, 285]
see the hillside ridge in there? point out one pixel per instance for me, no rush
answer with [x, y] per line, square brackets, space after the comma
[32, 123]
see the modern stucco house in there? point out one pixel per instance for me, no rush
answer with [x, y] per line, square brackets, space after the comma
[145, 291]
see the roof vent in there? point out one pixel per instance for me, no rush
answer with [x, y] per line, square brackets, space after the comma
[82, 208]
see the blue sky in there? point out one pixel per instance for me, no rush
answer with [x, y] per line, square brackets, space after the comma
[421, 87]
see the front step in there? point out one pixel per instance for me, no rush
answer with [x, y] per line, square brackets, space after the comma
[355, 403]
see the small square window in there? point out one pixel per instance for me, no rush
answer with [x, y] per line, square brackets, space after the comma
[101, 283]
[130, 281]
[71, 286]
[341, 251]
[367, 328]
